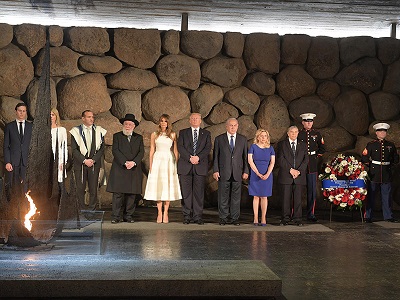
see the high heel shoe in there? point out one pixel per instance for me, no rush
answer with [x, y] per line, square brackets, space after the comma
[159, 219]
[165, 219]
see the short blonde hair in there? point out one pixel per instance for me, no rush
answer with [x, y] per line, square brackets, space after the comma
[55, 112]
[257, 136]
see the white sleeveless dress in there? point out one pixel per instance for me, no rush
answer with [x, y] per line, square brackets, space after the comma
[163, 183]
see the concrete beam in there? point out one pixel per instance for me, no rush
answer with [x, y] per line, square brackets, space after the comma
[102, 277]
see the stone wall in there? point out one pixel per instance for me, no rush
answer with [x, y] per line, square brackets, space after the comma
[265, 80]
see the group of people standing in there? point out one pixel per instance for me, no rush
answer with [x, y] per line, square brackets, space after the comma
[178, 166]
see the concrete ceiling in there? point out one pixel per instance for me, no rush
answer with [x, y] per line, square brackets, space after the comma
[319, 17]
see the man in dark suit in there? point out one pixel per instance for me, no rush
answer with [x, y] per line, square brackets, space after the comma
[293, 161]
[194, 146]
[87, 144]
[230, 168]
[125, 180]
[17, 137]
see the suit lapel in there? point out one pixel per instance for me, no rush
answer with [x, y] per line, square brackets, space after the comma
[17, 131]
[189, 135]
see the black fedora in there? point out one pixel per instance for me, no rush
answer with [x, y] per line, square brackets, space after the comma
[129, 117]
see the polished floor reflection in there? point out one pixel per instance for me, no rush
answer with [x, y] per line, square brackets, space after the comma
[342, 259]
[353, 260]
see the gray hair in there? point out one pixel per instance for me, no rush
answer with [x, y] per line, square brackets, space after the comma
[230, 119]
[293, 127]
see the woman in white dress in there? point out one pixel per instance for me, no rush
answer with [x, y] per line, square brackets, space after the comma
[59, 139]
[163, 183]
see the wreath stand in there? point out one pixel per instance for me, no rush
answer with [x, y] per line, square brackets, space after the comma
[352, 212]
[356, 183]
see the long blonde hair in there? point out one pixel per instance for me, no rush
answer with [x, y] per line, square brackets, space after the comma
[168, 131]
[58, 120]
[257, 136]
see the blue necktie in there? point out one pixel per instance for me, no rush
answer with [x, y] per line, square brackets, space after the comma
[194, 141]
[232, 144]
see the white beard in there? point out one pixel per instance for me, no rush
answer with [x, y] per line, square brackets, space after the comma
[126, 132]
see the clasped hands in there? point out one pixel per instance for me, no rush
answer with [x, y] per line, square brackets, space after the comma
[130, 164]
[194, 159]
[295, 173]
[263, 176]
[89, 162]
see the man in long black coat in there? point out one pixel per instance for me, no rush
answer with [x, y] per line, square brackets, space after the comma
[125, 180]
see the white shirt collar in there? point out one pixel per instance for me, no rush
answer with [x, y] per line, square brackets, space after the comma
[229, 135]
[295, 141]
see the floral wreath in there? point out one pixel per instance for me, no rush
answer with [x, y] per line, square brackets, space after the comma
[345, 180]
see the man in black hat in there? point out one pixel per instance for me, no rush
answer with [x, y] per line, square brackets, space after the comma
[380, 155]
[125, 180]
[87, 144]
[315, 148]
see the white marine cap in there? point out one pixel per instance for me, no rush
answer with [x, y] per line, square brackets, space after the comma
[308, 116]
[380, 126]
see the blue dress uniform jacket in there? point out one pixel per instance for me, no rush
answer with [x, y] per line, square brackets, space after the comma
[315, 147]
[380, 155]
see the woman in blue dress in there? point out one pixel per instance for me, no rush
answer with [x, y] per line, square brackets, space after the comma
[261, 157]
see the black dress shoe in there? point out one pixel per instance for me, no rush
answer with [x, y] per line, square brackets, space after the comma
[129, 221]
[298, 223]
[283, 223]
[368, 220]
[236, 223]
[186, 221]
[312, 219]
[392, 220]
[115, 221]
[222, 222]
[200, 222]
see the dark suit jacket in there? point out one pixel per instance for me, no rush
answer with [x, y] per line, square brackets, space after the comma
[122, 180]
[285, 159]
[185, 149]
[14, 150]
[227, 163]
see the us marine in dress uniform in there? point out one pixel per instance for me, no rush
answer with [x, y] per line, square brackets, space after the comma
[315, 149]
[380, 155]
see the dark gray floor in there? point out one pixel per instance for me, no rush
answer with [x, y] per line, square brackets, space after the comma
[342, 259]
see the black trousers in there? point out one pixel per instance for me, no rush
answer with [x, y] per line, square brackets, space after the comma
[192, 188]
[291, 202]
[123, 205]
[91, 177]
[229, 196]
